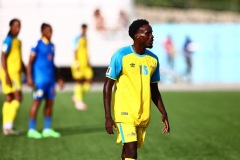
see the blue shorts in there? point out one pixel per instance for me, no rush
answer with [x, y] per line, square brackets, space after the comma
[44, 91]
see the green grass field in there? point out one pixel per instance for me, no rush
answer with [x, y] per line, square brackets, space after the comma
[205, 125]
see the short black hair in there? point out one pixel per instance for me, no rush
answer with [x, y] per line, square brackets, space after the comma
[13, 20]
[84, 25]
[133, 28]
[45, 25]
[11, 24]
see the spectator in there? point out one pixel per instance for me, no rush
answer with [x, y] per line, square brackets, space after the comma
[99, 21]
[170, 51]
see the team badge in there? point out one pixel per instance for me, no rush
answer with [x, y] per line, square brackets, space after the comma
[50, 57]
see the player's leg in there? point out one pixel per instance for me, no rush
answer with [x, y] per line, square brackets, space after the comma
[6, 109]
[78, 95]
[78, 88]
[14, 106]
[38, 95]
[127, 134]
[123, 153]
[48, 110]
[130, 151]
[78, 91]
[7, 122]
[32, 132]
[88, 74]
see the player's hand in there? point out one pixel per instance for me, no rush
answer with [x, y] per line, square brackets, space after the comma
[166, 128]
[61, 84]
[8, 80]
[109, 125]
[29, 81]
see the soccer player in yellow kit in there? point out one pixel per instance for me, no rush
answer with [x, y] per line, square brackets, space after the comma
[12, 66]
[81, 70]
[135, 72]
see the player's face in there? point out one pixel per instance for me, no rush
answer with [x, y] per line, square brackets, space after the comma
[15, 28]
[47, 32]
[84, 30]
[145, 36]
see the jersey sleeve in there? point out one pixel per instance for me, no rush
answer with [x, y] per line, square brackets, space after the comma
[7, 43]
[34, 49]
[115, 67]
[156, 75]
[75, 43]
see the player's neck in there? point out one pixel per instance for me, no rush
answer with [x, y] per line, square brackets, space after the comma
[138, 49]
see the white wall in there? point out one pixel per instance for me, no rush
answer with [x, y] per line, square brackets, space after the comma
[66, 16]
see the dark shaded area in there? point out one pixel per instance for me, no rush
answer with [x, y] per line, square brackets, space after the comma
[99, 73]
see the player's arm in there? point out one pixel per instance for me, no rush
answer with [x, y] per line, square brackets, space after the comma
[5, 68]
[107, 97]
[29, 69]
[157, 100]
[24, 69]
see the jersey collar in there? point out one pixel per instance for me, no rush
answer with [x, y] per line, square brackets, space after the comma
[45, 40]
[139, 55]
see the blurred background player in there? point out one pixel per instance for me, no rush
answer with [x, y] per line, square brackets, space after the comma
[12, 66]
[82, 72]
[42, 76]
[188, 49]
[170, 51]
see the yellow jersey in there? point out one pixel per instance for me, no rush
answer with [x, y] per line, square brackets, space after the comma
[132, 93]
[82, 52]
[12, 47]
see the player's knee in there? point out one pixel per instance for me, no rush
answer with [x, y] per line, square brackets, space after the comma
[131, 151]
[131, 154]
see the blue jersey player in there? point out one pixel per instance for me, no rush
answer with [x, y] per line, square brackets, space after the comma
[41, 76]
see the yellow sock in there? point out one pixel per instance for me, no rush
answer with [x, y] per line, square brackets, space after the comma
[13, 110]
[86, 87]
[78, 92]
[5, 112]
[129, 159]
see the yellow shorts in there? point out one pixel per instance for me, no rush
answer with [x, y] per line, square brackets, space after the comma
[16, 82]
[130, 133]
[81, 73]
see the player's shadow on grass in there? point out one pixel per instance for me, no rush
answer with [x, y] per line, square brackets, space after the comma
[76, 130]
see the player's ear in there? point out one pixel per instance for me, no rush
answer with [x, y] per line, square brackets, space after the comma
[136, 36]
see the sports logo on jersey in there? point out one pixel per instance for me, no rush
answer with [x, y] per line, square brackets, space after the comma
[124, 113]
[132, 65]
[109, 70]
[131, 134]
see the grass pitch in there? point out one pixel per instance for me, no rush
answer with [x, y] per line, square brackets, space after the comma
[204, 126]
